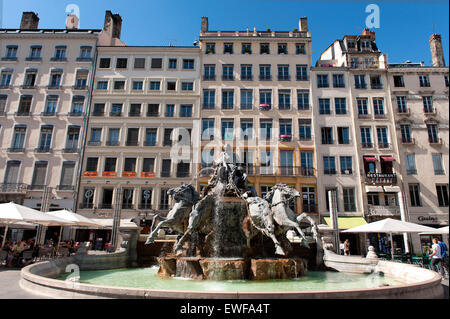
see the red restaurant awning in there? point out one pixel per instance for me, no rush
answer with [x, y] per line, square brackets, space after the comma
[370, 159]
[388, 158]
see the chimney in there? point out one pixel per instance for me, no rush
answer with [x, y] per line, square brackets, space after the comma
[30, 21]
[303, 24]
[366, 31]
[72, 22]
[113, 24]
[437, 53]
[205, 24]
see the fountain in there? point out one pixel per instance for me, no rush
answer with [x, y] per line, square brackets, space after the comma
[232, 234]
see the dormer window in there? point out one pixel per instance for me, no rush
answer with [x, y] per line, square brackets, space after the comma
[210, 48]
[246, 48]
[365, 44]
[264, 48]
[351, 45]
[228, 48]
[282, 48]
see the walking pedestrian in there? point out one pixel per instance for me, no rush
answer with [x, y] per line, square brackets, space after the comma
[436, 257]
[443, 256]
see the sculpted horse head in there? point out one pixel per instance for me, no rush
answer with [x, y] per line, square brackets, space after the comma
[185, 192]
[287, 192]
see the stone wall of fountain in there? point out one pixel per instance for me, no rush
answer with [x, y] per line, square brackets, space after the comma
[231, 234]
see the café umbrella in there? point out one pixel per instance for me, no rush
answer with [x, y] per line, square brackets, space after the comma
[390, 226]
[11, 213]
[439, 231]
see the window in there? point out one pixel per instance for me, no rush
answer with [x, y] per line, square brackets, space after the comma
[183, 169]
[170, 110]
[366, 138]
[3, 99]
[304, 126]
[116, 109]
[442, 195]
[338, 81]
[300, 48]
[363, 110]
[382, 136]
[324, 106]
[35, 53]
[349, 199]
[341, 105]
[210, 48]
[327, 200]
[209, 98]
[286, 130]
[228, 72]
[135, 109]
[130, 165]
[146, 198]
[188, 64]
[165, 167]
[110, 164]
[67, 173]
[60, 53]
[265, 98]
[96, 134]
[119, 85]
[113, 138]
[102, 85]
[343, 135]
[187, 86]
[284, 99]
[322, 81]
[398, 81]
[327, 135]
[77, 105]
[406, 133]
[105, 63]
[55, 79]
[171, 86]
[346, 165]
[303, 100]
[164, 200]
[227, 129]
[247, 129]
[302, 72]
[30, 78]
[81, 79]
[264, 48]
[360, 81]
[91, 164]
[283, 73]
[155, 85]
[282, 48]
[427, 104]
[99, 109]
[167, 140]
[228, 48]
[246, 99]
[138, 85]
[24, 105]
[246, 72]
[433, 136]
[207, 129]
[437, 164]
[401, 104]
[133, 137]
[210, 72]
[378, 107]
[375, 82]
[107, 198]
[424, 81]
[139, 63]
[150, 136]
[329, 165]
[18, 138]
[207, 158]
[287, 163]
[12, 172]
[156, 63]
[186, 110]
[172, 64]
[265, 129]
[121, 63]
[88, 198]
[414, 195]
[50, 105]
[306, 160]
[148, 165]
[411, 164]
[153, 110]
[227, 99]
[40, 172]
[446, 80]
[85, 53]
[11, 52]
[5, 80]
[246, 48]
[264, 72]
[127, 198]
[266, 163]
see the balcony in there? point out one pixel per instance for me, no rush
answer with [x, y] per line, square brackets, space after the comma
[106, 206]
[71, 150]
[246, 106]
[36, 187]
[145, 206]
[246, 77]
[84, 59]
[364, 116]
[28, 87]
[23, 113]
[183, 174]
[86, 205]
[43, 150]
[127, 206]
[98, 113]
[4, 86]
[380, 116]
[134, 114]
[112, 143]
[94, 143]
[383, 210]
[76, 114]
[47, 114]
[360, 86]
[302, 78]
[165, 173]
[115, 114]
[168, 114]
[265, 78]
[132, 143]
[265, 107]
[366, 145]
[284, 78]
[208, 106]
[80, 87]
[284, 107]
[58, 59]
[129, 174]
[16, 150]
[109, 174]
[65, 187]
[409, 140]
[376, 86]
[16, 188]
[90, 174]
[164, 206]
[411, 171]
[435, 141]
[227, 106]
[294, 171]
[150, 143]
[405, 112]
[383, 145]
[227, 78]
[380, 178]
[309, 208]
[152, 114]
[331, 171]
[167, 142]
[54, 87]
[209, 77]
[429, 111]
[285, 138]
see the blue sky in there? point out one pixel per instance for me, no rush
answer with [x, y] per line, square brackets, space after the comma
[405, 26]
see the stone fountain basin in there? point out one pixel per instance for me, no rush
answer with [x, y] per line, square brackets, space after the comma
[419, 283]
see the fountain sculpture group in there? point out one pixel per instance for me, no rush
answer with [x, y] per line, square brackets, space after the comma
[229, 234]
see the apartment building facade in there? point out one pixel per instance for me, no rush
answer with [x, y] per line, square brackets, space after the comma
[256, 98]
[144, 105]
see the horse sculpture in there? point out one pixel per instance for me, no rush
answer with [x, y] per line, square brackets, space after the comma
[185, 197]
